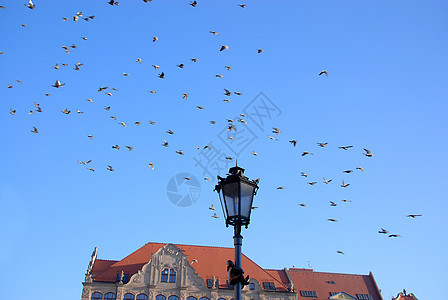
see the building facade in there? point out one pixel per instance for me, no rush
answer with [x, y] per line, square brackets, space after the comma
[185, 272]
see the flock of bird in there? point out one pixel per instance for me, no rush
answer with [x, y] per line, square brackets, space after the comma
[229, 122]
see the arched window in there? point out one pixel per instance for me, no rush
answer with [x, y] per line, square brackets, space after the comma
[173, 297]
[96, 296]
[164, 277]
[204, 298]
[160, 297]
[252, 286]
[128, 296]
[192, 298]
[221, 299]
[110, 296]
[142, 297]
[172, 275]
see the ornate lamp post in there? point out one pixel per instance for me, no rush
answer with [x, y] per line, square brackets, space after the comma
[236, 194]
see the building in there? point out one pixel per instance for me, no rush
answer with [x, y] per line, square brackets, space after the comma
[159, 271]
[404, 296]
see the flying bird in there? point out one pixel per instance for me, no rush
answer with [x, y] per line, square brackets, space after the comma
[194, 59]
[122, 123]
[303, 174]
[347, 171]
[322, 144]
[323, 72]
[65, 111]
[275, 130]
[180, 152]
[155, 67]
[260, 50]
[340, 252]
[224, 47]
[161, 75]
[30, 5]
[360, 168]
[413, 216]
[215, 216]
[151, 165]
[327, 181]
[332, 220]
[116, 147]
[212, 207]
[302, 204]
[306, 152]
[332, 203]
[394, 235]
[345, 147]
[368, 153]
[165, 143]
[109, 167]
[213, 32]
[242, 5]
[34, 130]
[193, 3]
[58, 84]
[129, 147]
[383, 231]
[344, 184]
[293, 142]
[12, 111]
[312, 183]
[139, 60]
[280, 188]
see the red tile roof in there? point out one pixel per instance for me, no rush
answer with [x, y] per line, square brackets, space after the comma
[211, 261]
[322, 283]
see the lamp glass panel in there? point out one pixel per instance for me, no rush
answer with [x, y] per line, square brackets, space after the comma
[230, 193]
[247, 195]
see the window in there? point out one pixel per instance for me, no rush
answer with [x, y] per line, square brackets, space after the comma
[142, 297]
[252, 286]
[160, 297]
[96, 296]
[204, 298]
[364, 297]
[128, 296]
[331, 282]
[192, 298]
[109, 296]
[164, 277]
[125, 278]
[333, 293]
[172, 275]
[308, 294]
[209, 282]
[269, 286]
[173, 297]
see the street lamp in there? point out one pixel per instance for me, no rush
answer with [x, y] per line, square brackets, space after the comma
[236, 194]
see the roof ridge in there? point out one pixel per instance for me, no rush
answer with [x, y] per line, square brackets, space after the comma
[296, 269]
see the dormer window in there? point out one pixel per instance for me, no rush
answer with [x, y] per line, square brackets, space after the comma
[164, 277]
[172, 276]
[252, 286]
[364, 297]
[308, 294]
[269, 286]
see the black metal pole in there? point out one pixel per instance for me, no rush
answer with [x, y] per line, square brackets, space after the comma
[238, 242]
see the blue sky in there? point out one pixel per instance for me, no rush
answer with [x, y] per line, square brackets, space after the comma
[386, 91]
